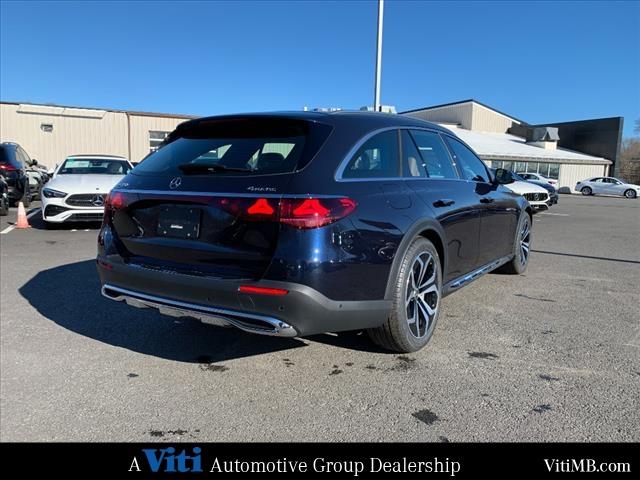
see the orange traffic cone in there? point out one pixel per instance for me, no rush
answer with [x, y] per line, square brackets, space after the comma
[22, 217]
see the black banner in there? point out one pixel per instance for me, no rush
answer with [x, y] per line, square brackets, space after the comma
[454, 460]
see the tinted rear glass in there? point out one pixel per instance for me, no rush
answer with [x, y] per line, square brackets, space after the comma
[243, 146]
[6, 157]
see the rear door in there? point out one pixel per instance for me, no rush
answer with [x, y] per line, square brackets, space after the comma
[207, 203]
[598, 185]
[430, 171]
[498, 213]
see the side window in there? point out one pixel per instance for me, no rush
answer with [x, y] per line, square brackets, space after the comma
[21, 158]
[434, 155]
[26, 157]
[412, 163]
[470, 165]
[377, 158]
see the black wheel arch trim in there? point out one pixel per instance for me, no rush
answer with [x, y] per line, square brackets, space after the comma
[416, 230]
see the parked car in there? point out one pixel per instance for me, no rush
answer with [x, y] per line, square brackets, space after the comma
[14, 163]
[539, 178]
[79, 186]
[551, 190]
[4, 197]
[295, 224]
[36, 182]
[537, 196]
[607, 186]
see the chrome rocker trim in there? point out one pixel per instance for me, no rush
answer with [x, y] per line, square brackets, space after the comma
[459, 282]
[247, 322]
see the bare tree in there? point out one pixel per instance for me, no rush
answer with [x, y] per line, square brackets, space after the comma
[629, 160]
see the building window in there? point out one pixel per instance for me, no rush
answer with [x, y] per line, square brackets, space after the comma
[549, 170]
[155, 139]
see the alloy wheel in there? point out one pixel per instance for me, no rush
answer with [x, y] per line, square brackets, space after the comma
[525, 241]
[422, 297]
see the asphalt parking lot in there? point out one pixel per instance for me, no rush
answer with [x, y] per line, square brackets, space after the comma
[552, 355]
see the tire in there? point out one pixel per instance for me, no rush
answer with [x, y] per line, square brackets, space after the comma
[51, 225]
[4, 207]
[521, 247]
[420, 265]
[630, 194]
[586, 191]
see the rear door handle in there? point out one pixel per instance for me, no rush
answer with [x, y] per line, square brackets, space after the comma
[444, 202]
[487, 200]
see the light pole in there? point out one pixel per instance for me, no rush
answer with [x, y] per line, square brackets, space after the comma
[376, 100]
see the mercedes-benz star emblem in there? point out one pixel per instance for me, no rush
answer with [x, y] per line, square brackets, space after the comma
[175, 183]
[98, 200]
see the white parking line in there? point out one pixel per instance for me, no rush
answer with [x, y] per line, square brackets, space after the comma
[556, 214]
[11, 227]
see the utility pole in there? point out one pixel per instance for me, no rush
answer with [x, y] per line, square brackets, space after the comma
[376, 101]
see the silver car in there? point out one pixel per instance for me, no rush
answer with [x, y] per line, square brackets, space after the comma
[607, 186]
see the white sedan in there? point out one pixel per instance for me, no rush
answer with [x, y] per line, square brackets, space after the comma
[77, 191]
[537, 196]
[539, 178]
[607, 186]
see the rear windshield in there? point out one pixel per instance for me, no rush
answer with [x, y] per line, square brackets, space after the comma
[243, 146]
[89, 166]
[5, 156]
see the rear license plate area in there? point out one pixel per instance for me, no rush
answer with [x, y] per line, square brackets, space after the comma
[179, 222]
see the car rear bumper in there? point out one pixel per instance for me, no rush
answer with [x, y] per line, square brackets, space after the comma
[302, 311]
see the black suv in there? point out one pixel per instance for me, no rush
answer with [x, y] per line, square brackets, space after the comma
[294, 224]
[14, 163]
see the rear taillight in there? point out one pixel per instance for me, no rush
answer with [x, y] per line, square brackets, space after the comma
[303, 213]
[314, 212]
[6, 167]
[117, 201]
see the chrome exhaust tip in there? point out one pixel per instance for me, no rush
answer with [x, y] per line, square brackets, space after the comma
[248, 322]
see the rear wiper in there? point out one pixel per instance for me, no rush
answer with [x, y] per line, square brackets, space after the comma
[188, 168]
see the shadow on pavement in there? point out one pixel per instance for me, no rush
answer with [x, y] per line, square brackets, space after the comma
[69, 295]
[588, 257]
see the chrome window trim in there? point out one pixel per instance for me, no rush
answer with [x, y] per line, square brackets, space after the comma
[343, 164]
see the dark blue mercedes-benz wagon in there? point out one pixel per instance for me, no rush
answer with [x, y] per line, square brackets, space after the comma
[298, 223]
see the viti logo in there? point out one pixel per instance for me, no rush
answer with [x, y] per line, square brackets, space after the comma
[168, 461]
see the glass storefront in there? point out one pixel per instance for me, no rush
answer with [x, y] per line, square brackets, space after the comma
[549, 170]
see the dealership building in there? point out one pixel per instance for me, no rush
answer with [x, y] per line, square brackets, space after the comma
[568, 151]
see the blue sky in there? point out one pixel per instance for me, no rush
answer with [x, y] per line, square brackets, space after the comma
[538, 61]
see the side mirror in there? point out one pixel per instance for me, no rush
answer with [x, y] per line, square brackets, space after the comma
[504, 177]
[34, 162]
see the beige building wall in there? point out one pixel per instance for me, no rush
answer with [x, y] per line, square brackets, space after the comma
[469, 115]
[460, 114]
[484, 119]
[570, 174]
[74, 131]
[141, 125]
[52, 133]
